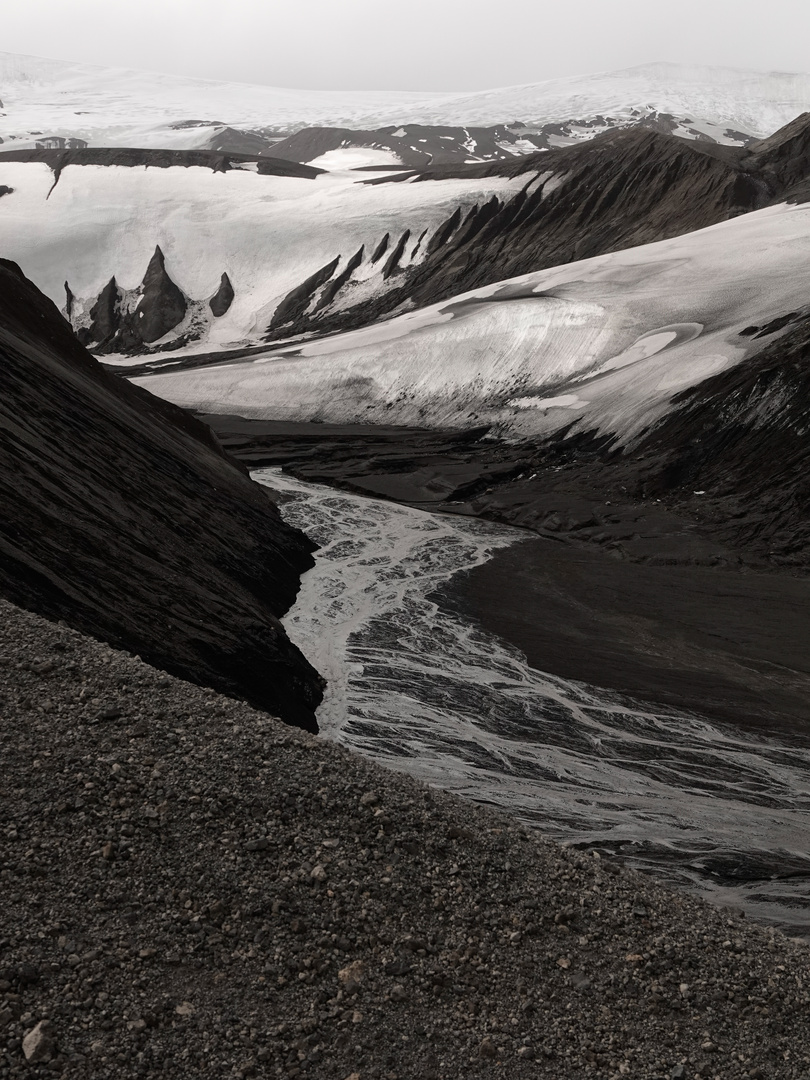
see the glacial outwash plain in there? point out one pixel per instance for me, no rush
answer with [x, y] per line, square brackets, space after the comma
[404, 602]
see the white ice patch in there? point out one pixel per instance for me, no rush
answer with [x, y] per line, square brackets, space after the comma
[354, 157]
[651, 343]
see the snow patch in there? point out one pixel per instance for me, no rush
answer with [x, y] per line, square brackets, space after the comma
[354, 157]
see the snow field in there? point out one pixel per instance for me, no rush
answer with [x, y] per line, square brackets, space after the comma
[268, 233]
[125, 107]
[606, 342]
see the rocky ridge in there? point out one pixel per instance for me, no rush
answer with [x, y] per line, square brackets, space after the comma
[192, 889]
[132, 157]
[621, 190]
[424, 145]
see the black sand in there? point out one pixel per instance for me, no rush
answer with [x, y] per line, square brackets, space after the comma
[726, 644]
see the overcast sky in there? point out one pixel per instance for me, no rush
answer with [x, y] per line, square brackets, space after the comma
[408, 44]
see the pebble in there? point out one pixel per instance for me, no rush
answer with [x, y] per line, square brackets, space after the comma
[39, 1044]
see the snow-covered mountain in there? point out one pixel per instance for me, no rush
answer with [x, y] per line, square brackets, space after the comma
[122, 107]
[552, 292]
[161, 250]
[601, 345]
[108, 106]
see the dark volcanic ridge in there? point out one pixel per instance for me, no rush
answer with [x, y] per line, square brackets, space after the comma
[621, 190]
[237, 898]
[130, 157]
[123, 517]
[423, 145]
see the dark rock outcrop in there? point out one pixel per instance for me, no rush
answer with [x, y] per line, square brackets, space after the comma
[163, 306]
[104, 316]
[117, 324]
[333, 287]
[394, 258]
[381, 248]
[222, 299]
[295, 303]
[123, 517]
[444, 231]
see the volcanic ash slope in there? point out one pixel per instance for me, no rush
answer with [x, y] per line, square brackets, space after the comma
[122, 516]
[191, 889]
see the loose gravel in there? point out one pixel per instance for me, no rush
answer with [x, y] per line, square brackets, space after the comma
[188, 888]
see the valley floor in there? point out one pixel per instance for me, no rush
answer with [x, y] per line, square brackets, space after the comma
[191, 889]
[613, 591]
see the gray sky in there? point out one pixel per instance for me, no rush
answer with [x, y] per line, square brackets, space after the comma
[409, 44]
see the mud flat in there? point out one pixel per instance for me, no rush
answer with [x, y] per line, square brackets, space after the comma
[728, 645]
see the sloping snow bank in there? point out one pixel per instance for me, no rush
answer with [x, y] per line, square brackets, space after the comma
[604, 343]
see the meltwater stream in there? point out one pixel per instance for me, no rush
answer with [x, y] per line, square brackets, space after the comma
[424, 691]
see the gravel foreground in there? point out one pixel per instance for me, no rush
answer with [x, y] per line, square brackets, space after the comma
[189, 888]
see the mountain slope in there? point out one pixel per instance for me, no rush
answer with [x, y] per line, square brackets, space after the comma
[741, 438]
[123, 517]
[620, 190]
[306, 252]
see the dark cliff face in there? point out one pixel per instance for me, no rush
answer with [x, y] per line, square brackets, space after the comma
[123, 517]
[132, 157]
[162, 305]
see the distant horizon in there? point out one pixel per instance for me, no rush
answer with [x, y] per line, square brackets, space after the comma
[428, 44]
[407, 90]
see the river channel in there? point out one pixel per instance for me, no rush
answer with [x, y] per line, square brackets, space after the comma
[417, 688]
